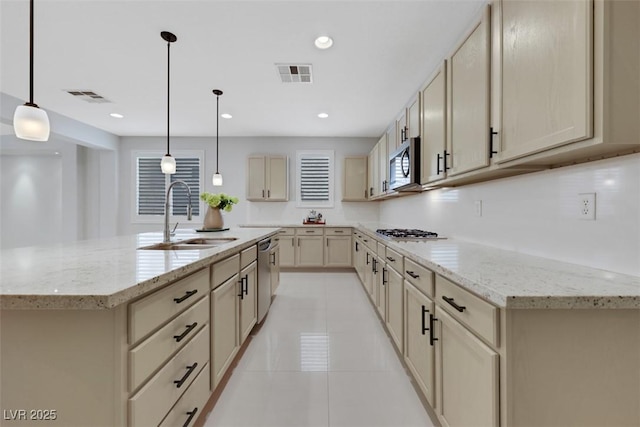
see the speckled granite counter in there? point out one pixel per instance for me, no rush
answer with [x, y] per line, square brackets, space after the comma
[515, 280]
[103, 273]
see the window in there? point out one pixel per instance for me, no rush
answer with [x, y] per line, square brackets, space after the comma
[152, 184]
[315, 178]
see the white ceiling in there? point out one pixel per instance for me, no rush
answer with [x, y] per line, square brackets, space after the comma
[383, 51]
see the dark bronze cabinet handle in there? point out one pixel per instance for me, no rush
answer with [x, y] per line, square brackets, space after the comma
[438, 170]
[242, 293]
[412, 274]
[446, 168]
[367, 258]
[452, 303]
[190, 327]
[432, 338]
[424, 321]
[190, 369]
[245, 281]
[391, 259]
[384, 281]
[491, 150]
[191, 415]
[185, 296]
[357, 250]
[338, 231]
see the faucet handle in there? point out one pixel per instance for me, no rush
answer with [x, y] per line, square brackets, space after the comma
[173, 232]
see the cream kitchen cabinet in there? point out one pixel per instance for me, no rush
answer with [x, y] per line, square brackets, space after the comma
[354, 184]
[434, 121]
[395, 305]
[419, 350]
[468, 118]
[380, 286]
[287, 247]
[225, 316]
[402, 126]
[392, 138]
[468, 376]
[413, 118]
[310, 247]
[248, 299]
[268, 178]
[358, 255]
[383, 167]
[571, 95]
[337, 249]
[369, 278]
[373, 172]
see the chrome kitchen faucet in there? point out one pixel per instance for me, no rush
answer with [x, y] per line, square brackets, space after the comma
[167, 233]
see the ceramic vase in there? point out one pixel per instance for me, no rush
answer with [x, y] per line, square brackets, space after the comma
[213, 219]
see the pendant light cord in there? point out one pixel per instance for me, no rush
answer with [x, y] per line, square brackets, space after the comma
[168, 91]
[31, 55]
[217, 131]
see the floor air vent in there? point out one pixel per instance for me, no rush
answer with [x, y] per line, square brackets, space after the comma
[295, 73]
[88, 96]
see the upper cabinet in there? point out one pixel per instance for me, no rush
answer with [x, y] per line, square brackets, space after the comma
[433, 117]
[569, 92]
[469, 100]
[354, 186]
[268, 178]
[413, 118]
[547, 82]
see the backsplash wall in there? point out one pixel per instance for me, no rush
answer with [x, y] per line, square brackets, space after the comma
[537, 214]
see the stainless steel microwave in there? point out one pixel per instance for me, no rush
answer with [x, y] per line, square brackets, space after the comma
[404, 167]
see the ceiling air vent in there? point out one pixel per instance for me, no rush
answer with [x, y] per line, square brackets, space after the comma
[295, 73]
[88, 96]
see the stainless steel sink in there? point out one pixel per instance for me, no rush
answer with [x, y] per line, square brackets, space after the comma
[190, 244]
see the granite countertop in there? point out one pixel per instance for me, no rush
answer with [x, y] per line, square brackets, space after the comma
[104, 273]
[511, 279]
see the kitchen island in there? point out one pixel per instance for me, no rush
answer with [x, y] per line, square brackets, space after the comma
[102, 333]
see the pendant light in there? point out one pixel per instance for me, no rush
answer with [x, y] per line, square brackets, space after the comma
[217, 177]
[168, 163]
[29, 121]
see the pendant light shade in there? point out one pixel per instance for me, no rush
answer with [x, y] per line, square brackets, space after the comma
[168, 163]
[29, 121]
[217, 177]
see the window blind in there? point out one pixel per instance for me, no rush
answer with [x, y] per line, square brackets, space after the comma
[314, 178]
[152, 186]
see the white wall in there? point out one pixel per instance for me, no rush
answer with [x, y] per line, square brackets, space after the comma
[538, 214]
[50, 198]
[233, 164]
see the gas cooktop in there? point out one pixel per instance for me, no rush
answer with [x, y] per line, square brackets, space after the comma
[408, 234]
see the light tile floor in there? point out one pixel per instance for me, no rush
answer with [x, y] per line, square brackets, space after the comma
[321, 358]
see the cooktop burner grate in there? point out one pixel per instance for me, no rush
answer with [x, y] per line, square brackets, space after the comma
[405, 233]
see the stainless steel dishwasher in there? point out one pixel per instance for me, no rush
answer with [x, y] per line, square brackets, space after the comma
[264, 276]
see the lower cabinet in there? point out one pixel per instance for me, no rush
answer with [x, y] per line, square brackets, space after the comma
[380, 285]
[248, 300]
[468, 373]
[225, 341]
[275, 269]
[287, 251]
[368, 274]
[337, 251]
[310, 251]
[419, 350]
[395, 307]
[189, 407]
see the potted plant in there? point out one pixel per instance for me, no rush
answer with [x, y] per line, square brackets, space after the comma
[217, 202]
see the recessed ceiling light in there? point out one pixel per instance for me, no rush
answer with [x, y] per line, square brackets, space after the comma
[226, 115]
[324, 42]
[116, 115]
[323, 115]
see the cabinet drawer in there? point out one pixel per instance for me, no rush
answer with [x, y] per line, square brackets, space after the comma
[475, 313]
[191, 404]
[148, 313]
[381, 249]
[147, 357]
[248, 255]
[419, 276]
[287, 231]
[315, 231]
[394, 259]
[370, 243]
[150, 405]
[337, 231]
[222, 270]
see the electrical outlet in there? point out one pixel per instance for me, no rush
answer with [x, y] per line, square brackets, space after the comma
[587, 206]
[478, 207]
